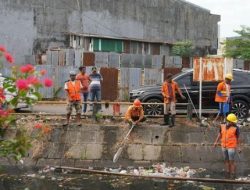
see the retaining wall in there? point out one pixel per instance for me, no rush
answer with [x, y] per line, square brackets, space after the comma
[95, 144]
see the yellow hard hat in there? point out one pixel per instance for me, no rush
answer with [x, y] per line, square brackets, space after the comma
[229, 76]
[232, 118]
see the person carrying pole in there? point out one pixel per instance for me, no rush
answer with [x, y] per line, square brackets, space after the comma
[135, 113]
[229, 136]
[73, 89]
[168, 90]
[223, 97]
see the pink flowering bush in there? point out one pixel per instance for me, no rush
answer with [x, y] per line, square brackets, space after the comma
[24, 85]
[9, 57]
[48, 82]
[27, 68]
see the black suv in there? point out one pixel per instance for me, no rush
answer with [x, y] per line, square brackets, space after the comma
[240, 91]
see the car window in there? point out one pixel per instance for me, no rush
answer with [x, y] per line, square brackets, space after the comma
[241, 78]
[185, 79]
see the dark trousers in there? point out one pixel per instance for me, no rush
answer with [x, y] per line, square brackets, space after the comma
[85, 98]
[135, 118]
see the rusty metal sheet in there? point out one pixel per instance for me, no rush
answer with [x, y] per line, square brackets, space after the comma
[101, 59]
[137, 61]
[61, 57]
[157, 61]
[213, 68]
[125, 60]
[88, 59]
[153, 76]
[114, 60]
[171, 70]
[109, 88]
[148, 61]
[130, 78]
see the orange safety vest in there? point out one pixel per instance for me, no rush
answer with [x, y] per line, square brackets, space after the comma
[228, 137]
[221, 88]
[165, 92]
[74, 90]
[132, 112]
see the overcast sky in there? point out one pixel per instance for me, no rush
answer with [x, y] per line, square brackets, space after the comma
[234, 13]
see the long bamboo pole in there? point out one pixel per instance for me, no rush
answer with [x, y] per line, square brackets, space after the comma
[206, 180]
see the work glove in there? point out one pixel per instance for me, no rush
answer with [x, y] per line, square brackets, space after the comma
[183, 97]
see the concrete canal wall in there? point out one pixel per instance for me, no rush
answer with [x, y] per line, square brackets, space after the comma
[95, 145]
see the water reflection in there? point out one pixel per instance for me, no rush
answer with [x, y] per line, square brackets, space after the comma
[102, 182]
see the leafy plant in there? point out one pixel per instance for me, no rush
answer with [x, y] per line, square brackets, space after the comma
[239, 47]
[98, 117]
[56, 92]
[182, 48]
[23, 86]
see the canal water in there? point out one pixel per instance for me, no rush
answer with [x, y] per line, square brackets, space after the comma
[59, 181]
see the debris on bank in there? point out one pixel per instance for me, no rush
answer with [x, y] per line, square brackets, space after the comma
[158, 170]
[243, 178]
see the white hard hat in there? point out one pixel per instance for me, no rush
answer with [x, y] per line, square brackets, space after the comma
[72, 72]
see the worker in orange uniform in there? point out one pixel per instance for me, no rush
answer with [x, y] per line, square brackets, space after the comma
[73, 90]
[135, 113]
[222, 96]
[229, 135]
[168, 90]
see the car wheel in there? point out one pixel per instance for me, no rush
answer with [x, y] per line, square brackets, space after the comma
[153, 109]
[240, 108]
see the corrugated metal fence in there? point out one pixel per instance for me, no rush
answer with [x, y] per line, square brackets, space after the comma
[121, 72]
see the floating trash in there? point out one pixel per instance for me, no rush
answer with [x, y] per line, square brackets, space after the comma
[158, 170]
[243, 178]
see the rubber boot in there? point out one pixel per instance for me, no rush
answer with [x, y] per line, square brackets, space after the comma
[166, 119]
[67, 120]
[172, 121]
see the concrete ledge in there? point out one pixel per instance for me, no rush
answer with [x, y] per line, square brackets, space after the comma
[95, 145]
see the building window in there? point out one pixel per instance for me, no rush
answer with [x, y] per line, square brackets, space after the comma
[107, 45]
[76, 41]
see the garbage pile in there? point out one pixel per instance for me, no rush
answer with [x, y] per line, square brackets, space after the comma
[243, 178]
[159, 170]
